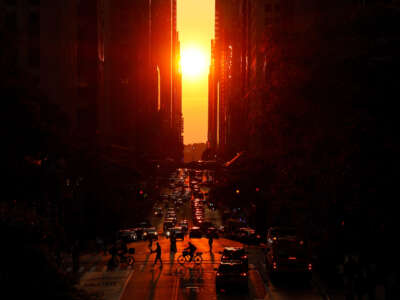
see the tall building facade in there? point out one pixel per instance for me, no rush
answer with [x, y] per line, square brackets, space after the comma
[112, 66]
[243, 57]
[165, 58]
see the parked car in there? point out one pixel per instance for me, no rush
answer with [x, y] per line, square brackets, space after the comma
[235, 254]
[249, 236]
[289, 256]
[195, 232]
[231, 275]
[275, 233]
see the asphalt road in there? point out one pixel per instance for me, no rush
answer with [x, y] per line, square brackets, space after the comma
[173, 281]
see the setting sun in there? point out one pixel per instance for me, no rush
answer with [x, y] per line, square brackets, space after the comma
[193, 62]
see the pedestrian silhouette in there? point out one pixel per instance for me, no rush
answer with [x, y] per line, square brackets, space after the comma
[210, 242]
[158, 255]
[173, 244]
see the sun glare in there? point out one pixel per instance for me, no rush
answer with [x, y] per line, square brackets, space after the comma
[193, 62]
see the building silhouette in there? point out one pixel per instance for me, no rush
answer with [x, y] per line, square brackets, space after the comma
[112, 67]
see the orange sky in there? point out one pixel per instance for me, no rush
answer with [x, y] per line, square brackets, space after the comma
[196, 29]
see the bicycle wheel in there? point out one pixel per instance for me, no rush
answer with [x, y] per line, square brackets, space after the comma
[181, 259]
[198, 260]
[130, 260]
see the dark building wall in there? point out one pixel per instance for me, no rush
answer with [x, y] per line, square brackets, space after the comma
[128, 70]
[165, 56]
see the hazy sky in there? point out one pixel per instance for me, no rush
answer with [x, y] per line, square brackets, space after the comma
[196, 29]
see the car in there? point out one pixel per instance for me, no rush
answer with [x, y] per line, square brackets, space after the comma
[233, 225]
[235, 254]
[150, 233]
[275, 233]
[184, 224]
[195, 232]
[205, 225]
[249, 236]
[289, 256]
[178, 232]
[158, 212]
[212, 231]
[167, 226]
[231, 275]
[127, 234]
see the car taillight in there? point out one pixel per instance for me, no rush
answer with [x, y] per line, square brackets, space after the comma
[218, 274]
[274, 266]
[292, 258]
[224, 257]
[244, 256]
[309, 267]
[243, 274]
[258, 236]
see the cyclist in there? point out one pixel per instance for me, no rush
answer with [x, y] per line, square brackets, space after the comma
[192, 249]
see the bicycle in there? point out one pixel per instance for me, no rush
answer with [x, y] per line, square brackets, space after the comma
[185, 257]
[120, 259]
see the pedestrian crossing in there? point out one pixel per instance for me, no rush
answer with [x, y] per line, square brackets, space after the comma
[140, 264]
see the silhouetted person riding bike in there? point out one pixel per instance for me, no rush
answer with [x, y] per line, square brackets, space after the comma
[192, 249]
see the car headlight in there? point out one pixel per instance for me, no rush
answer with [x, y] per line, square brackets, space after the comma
[145, 233]
[155, 233]
[167, 233]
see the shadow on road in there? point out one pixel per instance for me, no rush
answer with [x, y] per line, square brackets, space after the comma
[171, 261]
[212, 256]
[155, 276]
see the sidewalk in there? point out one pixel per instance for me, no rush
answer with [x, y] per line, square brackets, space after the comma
[93, 276]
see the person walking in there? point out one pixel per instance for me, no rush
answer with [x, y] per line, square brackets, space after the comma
[210, 241]
[173, 243]
[158, 255]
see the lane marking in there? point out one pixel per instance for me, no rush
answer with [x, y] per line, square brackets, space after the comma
[125, 285]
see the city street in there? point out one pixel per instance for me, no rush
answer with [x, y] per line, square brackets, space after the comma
[188, 281]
